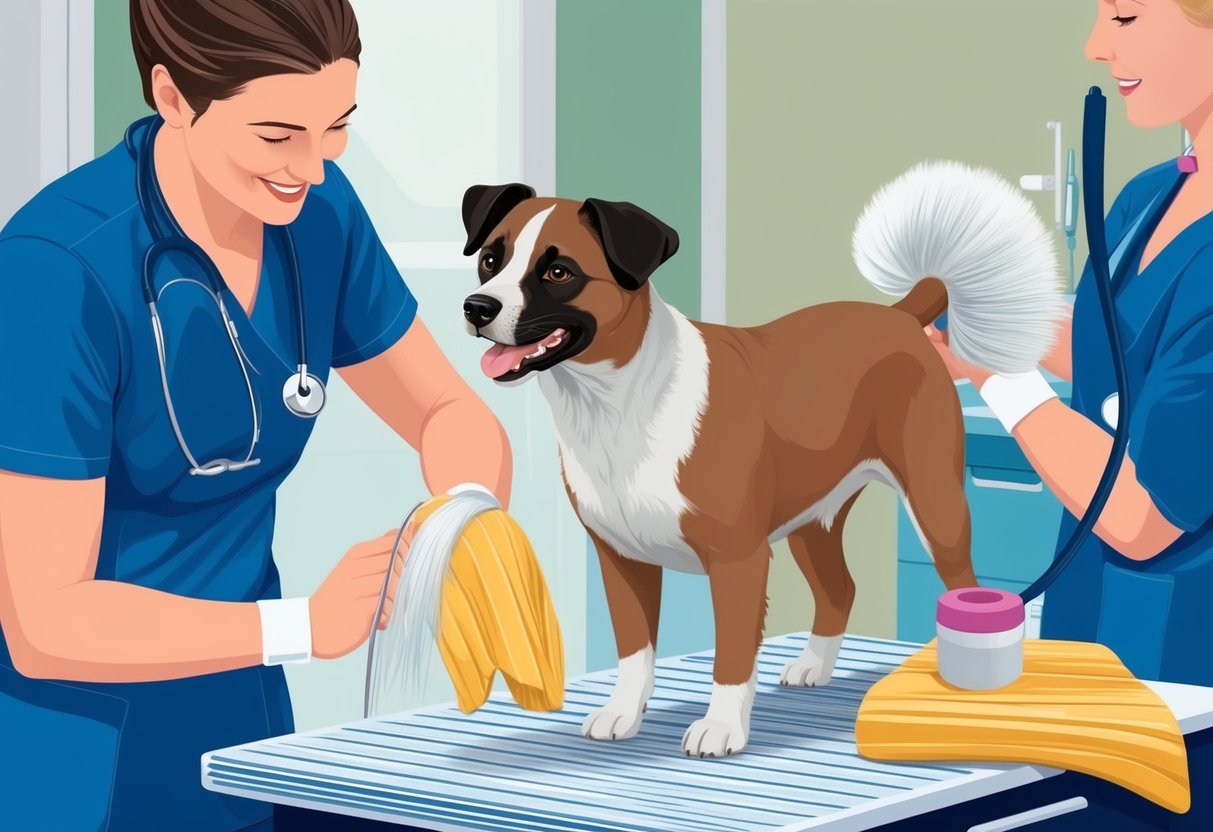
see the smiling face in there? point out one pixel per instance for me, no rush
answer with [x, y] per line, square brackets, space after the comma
[559, 279]
[1161, 60]
[261, 149]
[546, 290]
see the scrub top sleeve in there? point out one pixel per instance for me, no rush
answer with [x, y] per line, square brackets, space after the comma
[60, 360]
[1169, 440]
[375, 307]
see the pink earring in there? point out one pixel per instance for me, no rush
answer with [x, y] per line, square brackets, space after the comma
[1187, 164]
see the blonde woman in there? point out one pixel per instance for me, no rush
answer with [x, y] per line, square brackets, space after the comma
[1143, 584]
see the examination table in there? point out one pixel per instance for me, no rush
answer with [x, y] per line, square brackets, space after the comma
[503, 769]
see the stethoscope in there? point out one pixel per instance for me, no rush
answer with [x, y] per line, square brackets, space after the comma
[1116, 407]
[302, 393]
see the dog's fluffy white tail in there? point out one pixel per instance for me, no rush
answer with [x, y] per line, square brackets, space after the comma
[984, 240]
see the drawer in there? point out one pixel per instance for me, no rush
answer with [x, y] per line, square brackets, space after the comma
[1039, 807]
[918, 590]
[1014, 528]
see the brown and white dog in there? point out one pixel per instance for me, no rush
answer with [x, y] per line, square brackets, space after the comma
[693, 446]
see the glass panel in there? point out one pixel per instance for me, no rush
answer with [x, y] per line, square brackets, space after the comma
[439, 110]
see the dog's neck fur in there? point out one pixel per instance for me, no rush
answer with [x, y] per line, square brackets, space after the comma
[625, 396]
[623, 432]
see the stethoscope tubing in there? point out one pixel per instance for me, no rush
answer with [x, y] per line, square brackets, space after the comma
[298, 400]
[174, 238]
[1095, 115]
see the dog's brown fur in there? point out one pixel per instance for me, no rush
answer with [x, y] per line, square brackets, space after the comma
[793, 406]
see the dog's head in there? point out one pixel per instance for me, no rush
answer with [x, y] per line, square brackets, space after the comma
[556, 275]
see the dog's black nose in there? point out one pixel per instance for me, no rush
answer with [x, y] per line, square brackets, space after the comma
[480, 310]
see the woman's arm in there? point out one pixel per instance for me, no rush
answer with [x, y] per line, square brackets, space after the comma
[1070, 453]
[414, 389]
[60, 623]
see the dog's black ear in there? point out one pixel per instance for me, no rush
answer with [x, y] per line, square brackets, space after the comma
[635, 241]
[486, 205]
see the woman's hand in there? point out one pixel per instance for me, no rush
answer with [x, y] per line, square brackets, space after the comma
[1056, 362]
[342, 608]
[958, 368]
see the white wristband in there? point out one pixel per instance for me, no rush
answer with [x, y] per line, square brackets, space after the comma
[469, 486]
[1012, 397]
[286, 631]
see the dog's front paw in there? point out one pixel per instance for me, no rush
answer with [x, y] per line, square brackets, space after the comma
[725, 728]
[814, 667]
[624, 710]
[713, 738]
[612, 723]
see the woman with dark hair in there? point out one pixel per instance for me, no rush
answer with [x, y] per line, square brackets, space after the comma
[169, 313]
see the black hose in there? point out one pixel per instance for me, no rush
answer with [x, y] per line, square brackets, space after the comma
[1093, 131]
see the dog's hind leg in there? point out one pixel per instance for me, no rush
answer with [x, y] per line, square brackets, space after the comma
[818, 552]
[633, 592]
[931, 471]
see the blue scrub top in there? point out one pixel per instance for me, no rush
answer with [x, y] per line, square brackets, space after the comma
[83, 400]
[1157, 615]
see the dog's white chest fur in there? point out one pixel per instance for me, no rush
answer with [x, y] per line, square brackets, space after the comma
[623, 431]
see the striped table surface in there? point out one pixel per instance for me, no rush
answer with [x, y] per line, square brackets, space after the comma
[502, 768]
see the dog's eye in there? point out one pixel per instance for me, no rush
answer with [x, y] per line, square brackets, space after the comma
[559, 274]
[488, 262]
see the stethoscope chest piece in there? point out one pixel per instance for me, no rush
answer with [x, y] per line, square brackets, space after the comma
[303, 394]
[1110, 411]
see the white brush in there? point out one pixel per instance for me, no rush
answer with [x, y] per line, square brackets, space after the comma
[403, 657]
[984, 239]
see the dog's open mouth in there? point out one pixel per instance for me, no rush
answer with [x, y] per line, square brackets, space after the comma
[506, 361]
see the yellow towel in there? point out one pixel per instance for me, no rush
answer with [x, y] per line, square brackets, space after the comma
[496, 613]
[1075, 707]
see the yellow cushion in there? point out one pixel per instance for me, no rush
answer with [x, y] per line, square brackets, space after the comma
[1075, 707]
[497, 614]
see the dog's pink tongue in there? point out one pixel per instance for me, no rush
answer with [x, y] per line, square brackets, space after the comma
[501, 358]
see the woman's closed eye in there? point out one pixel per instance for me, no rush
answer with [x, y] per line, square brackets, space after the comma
[1124, 21]
[280, 139]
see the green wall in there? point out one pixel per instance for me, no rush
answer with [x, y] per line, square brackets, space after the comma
[829, 101]
[627, 118]
[119, 97]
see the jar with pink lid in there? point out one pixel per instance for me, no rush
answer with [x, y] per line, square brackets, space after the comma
[980, 637]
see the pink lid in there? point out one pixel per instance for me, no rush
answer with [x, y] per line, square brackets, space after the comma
[979, 610]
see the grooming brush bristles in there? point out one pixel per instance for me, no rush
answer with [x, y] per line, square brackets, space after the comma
[403, 659]
[472, 584]
[984, 239]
